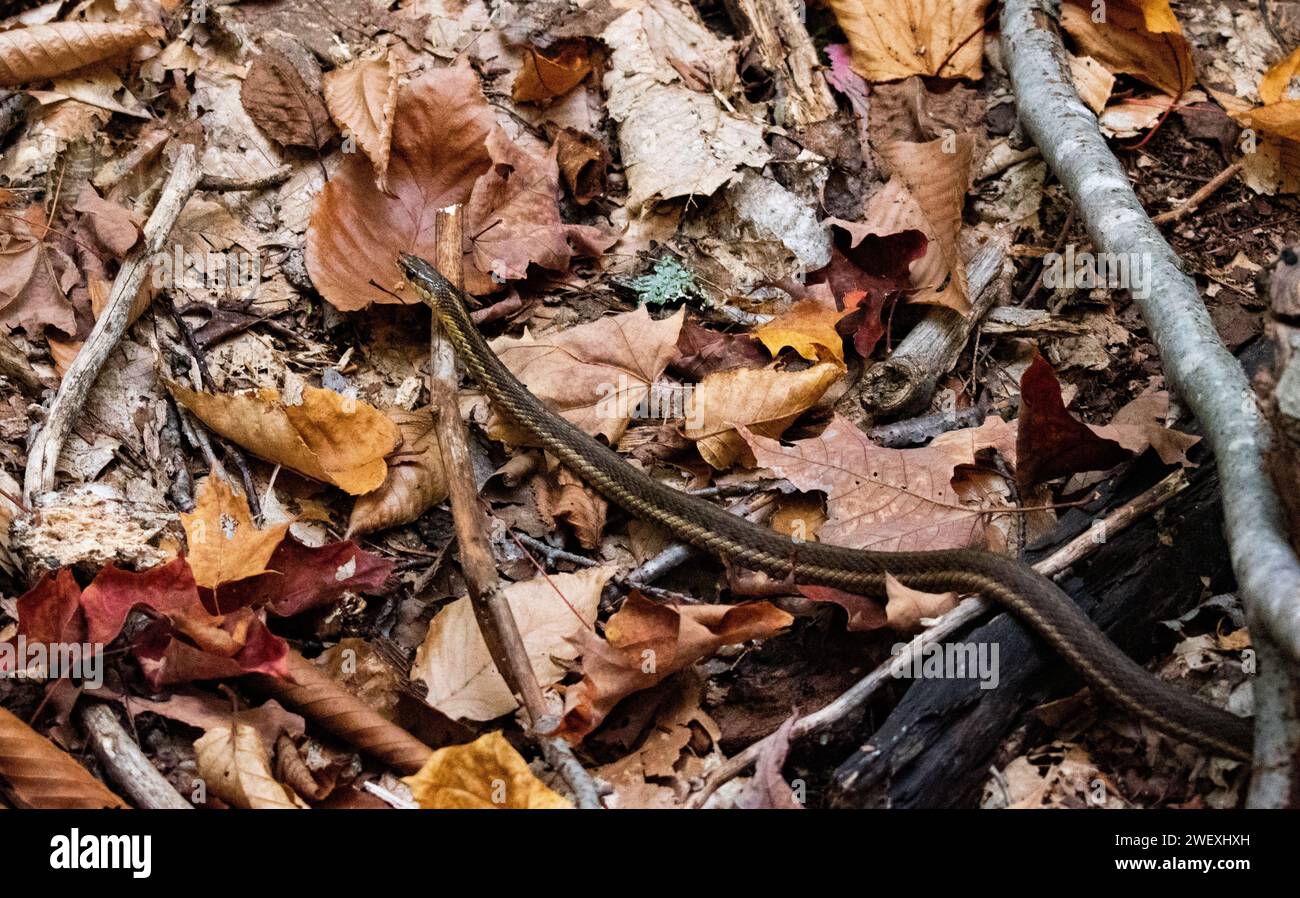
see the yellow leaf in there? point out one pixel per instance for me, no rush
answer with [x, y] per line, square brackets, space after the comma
[765, 400]
[223, 543]
[328, 437]
[1273, 85]
[894, 39]
[808, 329]
[486, 773]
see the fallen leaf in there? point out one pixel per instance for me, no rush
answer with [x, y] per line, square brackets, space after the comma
[237, 768]
[329, 437]
[279, 100]
[809, 328]
[676, 138]
[562, 496]
[453, 661]
[552, 72]
[767, 789]
[113, 593]
[38, 774]
[46, 51]
[582, 160]
[113, 226]
[513, 218]
[594, 375]
[1050, 442]
[702, 351]
[908, 609]
[1141, 38]
[891, 499]
[229, 645]
[362, 97]
[765, 400]
[50, 612]
[415, 483]
[440, 132]
[894, 39]
[486, 773]
[224, 545]
[936, 175]
[645, 643]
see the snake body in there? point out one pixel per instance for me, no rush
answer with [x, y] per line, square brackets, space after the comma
[1035, 599]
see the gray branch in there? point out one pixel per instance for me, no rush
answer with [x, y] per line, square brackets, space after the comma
[1198, 365]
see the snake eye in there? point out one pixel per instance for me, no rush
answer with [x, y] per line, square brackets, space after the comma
[1288, 256]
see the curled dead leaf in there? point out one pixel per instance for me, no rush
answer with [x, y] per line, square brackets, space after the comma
[486, 773]
[415, 483]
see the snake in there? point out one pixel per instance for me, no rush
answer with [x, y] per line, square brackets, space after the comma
[1033, 598]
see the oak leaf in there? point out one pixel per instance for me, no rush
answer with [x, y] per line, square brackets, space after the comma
[281, 102]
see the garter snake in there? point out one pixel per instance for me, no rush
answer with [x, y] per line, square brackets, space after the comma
[1035, 599]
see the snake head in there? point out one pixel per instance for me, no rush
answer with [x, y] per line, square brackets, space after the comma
[428, 279]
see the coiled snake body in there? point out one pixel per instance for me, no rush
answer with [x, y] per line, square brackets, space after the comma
[1036, 600]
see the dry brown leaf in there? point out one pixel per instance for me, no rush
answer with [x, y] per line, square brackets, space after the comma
[281, 102]
[890, 499]
[908, 609]
[486, 773]
[799, 516]
[809, 329]
[329, 437]
[766, 400]
[1141, 424]
[582, 159]
[454, 663]
[645, 642]
[46, 51]
[513, 218]
[562, 496]
[41, 775]
[1141, 38]
[362, 97]
[224, 545]
[894, 39]
[234, 763]
[415, 483]
[551, 72]
[438, 151]
[937, 176]
[596, 374]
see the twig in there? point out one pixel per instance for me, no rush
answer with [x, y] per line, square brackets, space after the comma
[222, 184]
[109, 327]
[966, 613]
[491, 609]
[125, 763]
[1194, 201]
[1198, 365]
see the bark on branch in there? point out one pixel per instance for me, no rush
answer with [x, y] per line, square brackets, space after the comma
[1198, 365]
